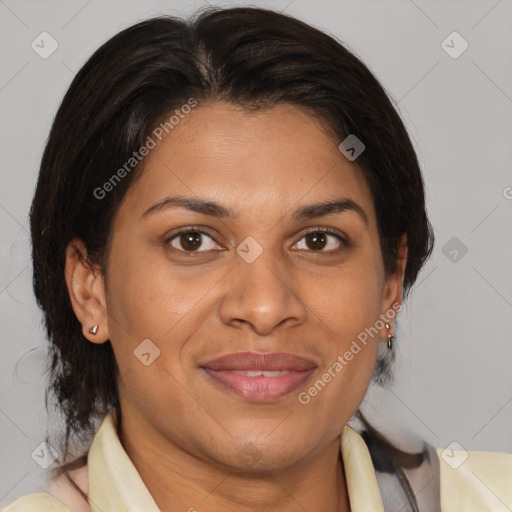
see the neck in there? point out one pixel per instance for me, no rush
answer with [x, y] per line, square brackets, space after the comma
[179, 480]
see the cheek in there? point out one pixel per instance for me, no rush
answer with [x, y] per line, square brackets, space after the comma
[349, 299]
[348, 303]
[159, 304]
[151, 316]
[151, 300]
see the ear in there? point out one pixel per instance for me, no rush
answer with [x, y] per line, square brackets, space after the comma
[87, 292]
[393, 291]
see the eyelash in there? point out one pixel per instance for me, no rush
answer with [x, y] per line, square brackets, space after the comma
[327, 230]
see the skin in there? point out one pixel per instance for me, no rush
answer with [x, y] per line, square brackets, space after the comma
[183, 433]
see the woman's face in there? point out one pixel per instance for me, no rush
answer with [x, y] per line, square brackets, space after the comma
[262, 271]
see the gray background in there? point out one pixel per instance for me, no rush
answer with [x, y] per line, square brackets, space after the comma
[453, 369]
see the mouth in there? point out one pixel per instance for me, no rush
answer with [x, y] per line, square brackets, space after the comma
[259, 377]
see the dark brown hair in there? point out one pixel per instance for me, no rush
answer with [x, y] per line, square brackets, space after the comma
[252, 58]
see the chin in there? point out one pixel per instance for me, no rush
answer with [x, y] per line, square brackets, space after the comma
[264, 455]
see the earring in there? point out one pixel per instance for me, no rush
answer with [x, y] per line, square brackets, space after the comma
[93, 329]
[391, 338]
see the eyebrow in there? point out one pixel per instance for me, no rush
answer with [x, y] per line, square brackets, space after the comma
[215, 209]
[191, 203]
[329, 207]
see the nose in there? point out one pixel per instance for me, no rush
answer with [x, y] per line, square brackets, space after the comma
[261, 297]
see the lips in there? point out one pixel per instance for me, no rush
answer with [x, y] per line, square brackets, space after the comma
[271, 361]
[259, 377]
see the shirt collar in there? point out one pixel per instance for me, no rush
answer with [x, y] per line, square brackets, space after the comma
[115, 484]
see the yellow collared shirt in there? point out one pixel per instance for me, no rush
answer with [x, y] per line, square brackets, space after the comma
[483, 483]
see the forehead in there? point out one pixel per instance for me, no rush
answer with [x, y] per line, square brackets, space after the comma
[266, 161]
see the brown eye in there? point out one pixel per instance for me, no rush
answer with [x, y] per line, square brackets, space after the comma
[191, 241]
[316, 240]
[322, 240]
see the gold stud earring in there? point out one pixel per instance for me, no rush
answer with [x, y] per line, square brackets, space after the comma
[93, 329]
[391, 338]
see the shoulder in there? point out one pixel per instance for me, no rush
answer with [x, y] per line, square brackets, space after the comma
[475, 480]
[37, 502]
[62, 496]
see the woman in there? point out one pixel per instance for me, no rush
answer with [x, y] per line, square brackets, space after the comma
[228, 216]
